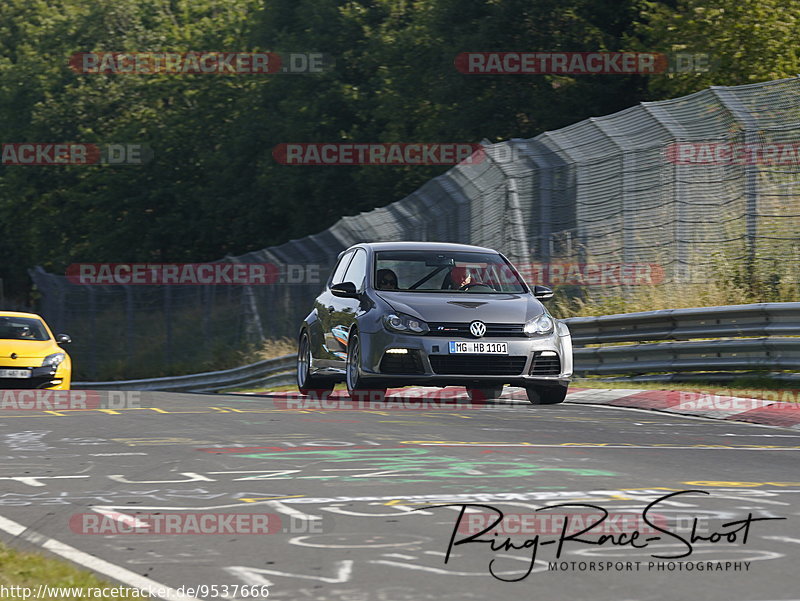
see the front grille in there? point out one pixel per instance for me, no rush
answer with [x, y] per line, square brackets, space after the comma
[545, 364]
[405, 363]
[490, 365]
[24, 384]
[461, 330]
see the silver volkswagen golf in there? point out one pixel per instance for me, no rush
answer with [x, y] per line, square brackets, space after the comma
[432, 314]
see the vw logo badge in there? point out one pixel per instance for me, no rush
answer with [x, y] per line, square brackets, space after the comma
[477, 329]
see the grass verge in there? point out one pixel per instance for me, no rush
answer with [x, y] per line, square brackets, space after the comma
[31, 570]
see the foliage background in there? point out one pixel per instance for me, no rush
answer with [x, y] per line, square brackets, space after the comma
[213, 187]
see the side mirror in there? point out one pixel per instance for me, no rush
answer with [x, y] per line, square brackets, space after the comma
[542, 292]
[345, 290]
[63, 339]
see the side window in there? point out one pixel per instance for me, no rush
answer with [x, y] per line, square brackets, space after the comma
[338, 273]
[357, 272]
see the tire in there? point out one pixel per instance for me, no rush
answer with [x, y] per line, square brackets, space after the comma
[307, 383]
[355, 382]
[546, 395]
[485, 393]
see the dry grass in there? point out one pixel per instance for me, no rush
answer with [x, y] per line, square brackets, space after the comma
[276, 348]
[728, 283]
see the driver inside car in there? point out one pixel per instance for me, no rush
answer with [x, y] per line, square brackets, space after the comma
[457, 279]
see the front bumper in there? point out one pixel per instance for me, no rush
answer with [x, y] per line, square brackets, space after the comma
[429, 363]
[41, 377]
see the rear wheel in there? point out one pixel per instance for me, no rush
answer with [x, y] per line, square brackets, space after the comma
[356, 387]
[546, 395]
[485, 393]
[307, 383]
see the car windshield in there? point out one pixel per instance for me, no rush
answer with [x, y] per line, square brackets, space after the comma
[436, 271]
[22, 328]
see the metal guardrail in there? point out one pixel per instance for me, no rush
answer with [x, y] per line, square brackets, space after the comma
[730, 338]
[267, 373]
[761, 319]
[735, 338]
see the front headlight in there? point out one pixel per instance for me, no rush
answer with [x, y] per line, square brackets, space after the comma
[405, 323]
[54, 360]
[539, 325]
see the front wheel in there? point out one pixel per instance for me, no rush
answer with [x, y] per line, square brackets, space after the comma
[355, 382]
[485, 393]
[546, 395]
[307, 383]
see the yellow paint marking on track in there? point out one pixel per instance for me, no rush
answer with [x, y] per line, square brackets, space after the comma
[29, 416]
[437, 414]
[719, 484]
[593, 445]
[58, 413]
[108, 411]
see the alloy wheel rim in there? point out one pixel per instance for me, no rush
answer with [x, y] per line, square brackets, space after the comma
[352, 364]
[303, 362]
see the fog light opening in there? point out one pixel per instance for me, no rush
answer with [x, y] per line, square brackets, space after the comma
[397, 351]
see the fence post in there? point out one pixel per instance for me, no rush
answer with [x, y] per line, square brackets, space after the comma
[92, 332]
[168, 325]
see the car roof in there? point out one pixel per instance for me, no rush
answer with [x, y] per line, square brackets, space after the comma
[434, 246]
[19, 314]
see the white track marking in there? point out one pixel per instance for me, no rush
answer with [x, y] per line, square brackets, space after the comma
[290, 511]
[599, 395]
[256, 576]
[783, 539]
[34, 480]
[96, 564]
[190, 477]
[706, 419]
[124, 518]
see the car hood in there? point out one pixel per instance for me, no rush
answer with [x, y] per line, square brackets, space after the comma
[463, 308]
[27, 349]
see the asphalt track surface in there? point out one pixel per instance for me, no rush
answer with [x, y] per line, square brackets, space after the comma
[344, 483]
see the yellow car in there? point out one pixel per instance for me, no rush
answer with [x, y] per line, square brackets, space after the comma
[30, 356]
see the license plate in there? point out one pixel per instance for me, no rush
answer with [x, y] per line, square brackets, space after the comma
[14, 373]
[479, 348]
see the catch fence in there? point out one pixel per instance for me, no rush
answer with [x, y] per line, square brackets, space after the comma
[688, 186]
